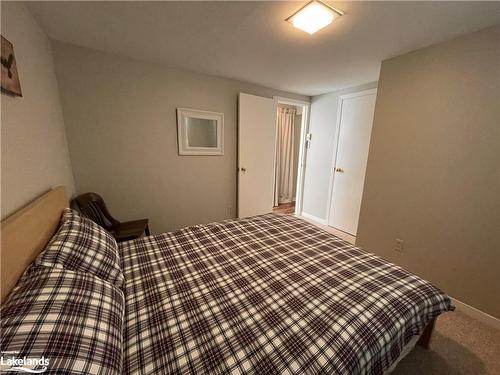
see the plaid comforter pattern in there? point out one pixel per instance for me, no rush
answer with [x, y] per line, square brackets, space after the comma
[74, 320]
[270, 294]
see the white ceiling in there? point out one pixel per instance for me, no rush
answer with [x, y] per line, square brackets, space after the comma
[251, 41]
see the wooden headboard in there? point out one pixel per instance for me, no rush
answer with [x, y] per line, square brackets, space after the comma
[25, 234]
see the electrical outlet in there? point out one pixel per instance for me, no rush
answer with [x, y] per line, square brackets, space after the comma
[398, 245]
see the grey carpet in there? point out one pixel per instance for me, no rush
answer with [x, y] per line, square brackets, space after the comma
[460, 345]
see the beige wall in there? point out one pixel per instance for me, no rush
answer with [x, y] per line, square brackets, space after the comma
[121, 122]
[33, 141]
[433, 175]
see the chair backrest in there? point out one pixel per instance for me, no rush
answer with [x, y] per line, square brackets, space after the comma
[92, 206]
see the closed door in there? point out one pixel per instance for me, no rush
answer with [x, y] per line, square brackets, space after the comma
[355, 126]
[256, 143]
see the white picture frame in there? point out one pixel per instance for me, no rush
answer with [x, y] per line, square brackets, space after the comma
[200, 132]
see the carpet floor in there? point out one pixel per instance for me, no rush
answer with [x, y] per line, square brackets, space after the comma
[460, 345]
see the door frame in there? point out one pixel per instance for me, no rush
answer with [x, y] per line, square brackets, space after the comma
[304, 129]
[336, 144]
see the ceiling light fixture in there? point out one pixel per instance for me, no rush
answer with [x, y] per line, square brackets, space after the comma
[314, 16]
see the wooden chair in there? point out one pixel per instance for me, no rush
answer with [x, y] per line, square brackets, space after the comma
[92, 206]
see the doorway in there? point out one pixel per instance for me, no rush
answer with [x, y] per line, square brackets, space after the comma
[257, 133]
[354, 125]
[289, 159]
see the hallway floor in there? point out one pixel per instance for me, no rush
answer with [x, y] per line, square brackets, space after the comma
[285, 208]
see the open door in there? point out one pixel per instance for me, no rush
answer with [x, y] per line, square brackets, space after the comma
[256, 143]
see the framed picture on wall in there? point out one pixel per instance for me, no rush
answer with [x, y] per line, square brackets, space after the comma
[200, 132]
[9, 78]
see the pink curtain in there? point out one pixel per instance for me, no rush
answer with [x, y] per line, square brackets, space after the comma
[284, 184]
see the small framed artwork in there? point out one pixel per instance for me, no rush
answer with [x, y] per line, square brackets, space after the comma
[10, 79]
[200, 132]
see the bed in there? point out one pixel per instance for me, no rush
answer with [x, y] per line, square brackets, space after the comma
[270, 294]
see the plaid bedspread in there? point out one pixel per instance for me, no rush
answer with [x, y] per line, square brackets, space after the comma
[270, 294]
[73, 320]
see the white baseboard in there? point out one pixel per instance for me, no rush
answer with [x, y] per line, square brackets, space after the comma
[476, 314]
[314, 218]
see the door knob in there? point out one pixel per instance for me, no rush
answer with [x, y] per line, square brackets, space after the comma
[340, 170]
[243, 170]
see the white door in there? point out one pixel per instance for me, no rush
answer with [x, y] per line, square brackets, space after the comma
[256, 143]
[355, 127]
